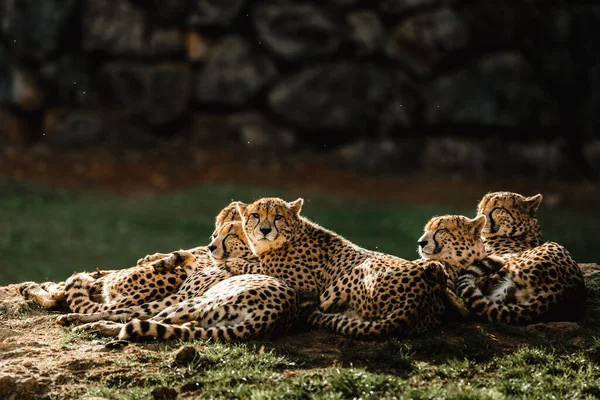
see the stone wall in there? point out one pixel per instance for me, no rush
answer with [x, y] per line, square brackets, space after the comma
[441, 85]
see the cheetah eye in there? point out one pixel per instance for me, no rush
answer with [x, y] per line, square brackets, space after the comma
[255, 215]
[278, 217]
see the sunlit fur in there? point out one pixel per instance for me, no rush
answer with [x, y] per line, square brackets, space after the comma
[270, 223]
[453, 239]
[512, 224]
[362, 293]
[229, 239]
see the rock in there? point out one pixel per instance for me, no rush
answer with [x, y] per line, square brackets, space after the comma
[366, 31]
[113, 26]
[454, 155]
[196, 46]
[397, 7]
[81, 128]
[423, 41]
[343, 96]
[250, 129]
[500, 90]
[186, 355]
[13, 389]
[296, 31]
[560, 328]
[191, 387]
[166, 43]
[234, 73]
[68, 82]
[34, 29]
[163, 393]
[14, 130]
[159, 93]
[215, 13]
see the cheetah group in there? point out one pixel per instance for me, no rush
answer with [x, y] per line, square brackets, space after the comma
[268, 268]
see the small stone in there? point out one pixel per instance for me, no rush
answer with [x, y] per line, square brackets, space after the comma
[186, 355]
[367, 32]
[298, 31]
[422, 41]
[234, 73]
[113, 26]
[163, 393]
[196, 46]
[27, 364]
[397, 7]
[214, 13]
[191, 387]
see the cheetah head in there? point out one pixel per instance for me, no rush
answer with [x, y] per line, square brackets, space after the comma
[269, 222]
[509, 214]
[454, 239]
[229, 241]
[228, 214]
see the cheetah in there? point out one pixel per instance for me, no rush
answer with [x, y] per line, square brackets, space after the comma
[227, 308]
[239, 308]
[362, 293]
[229, 255]
[533, 285]
[119, 287]
[512, 225]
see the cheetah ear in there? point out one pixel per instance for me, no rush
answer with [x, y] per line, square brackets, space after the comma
[477, 225]
[532, 203]
[296, 205]
[241, 208]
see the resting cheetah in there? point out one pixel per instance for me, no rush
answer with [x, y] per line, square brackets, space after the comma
[118, 287]
[237, 308]
[533, 285]
[386, 295]
[230, 255]
[512, 224]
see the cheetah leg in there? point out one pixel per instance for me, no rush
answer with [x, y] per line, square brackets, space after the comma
[457, 303]
[106, 328]
[37, 293]
[239, 266]
[338, 294]
[151, 258]
[173, 260]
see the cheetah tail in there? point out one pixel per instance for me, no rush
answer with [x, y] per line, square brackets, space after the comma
[136, 328]
[396, 323]
[483, 308]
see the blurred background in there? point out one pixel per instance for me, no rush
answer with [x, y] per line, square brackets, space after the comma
[126, 125]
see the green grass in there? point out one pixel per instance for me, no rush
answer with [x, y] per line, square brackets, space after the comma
[48, 234]
[243, 371]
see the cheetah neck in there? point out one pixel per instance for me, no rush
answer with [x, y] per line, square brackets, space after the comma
[324, 253]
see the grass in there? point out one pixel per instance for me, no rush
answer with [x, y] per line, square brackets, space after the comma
[245, 371]
[48, 235]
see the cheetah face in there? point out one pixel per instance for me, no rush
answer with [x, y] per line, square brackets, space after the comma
[508, 214]
[453, 239]
[228, 214]
[229, 241]
[269, 222]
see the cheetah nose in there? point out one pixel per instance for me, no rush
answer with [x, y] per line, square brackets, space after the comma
[212, 247]
[265, 231]
[422, 243]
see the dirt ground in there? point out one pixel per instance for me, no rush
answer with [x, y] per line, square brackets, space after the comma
[176, 167]
[40, 359]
